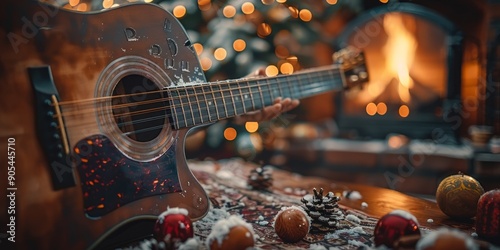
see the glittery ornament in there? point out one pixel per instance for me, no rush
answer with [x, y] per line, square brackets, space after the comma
[323, 210]
[457, 196]
[173, 225]
[291, 224]
[232, 233]
[488, 216]
[393, 225]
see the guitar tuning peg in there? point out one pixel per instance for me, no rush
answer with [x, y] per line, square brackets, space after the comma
[353, 78]
[363, 75]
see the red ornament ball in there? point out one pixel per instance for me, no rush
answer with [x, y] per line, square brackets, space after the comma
[457, 196]
[291, 224]
[488, 216]
[232, 233]
[393, 225]
[173, 225]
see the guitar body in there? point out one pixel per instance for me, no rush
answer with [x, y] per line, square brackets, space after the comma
[106, 161]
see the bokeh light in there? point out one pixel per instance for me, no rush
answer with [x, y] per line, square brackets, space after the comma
[264, 30]
[107, 3]
[404, 111]
[251, 126]
[82, 7]
[371, 108]
[179, 11]
[198, 47]
[286, 68]
[229, 11]
[381, 108]
[206, 63]
[239, 45]
[204, 5]
[220, 54]
[230, 133]
[247, 8]
[294, 12]
[281, 51]
[271, 70]
[305, 15]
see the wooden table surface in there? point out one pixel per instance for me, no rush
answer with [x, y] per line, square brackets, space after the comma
[380, 201]
[225, 183]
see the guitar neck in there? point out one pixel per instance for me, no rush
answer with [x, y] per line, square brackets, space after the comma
[197, 104]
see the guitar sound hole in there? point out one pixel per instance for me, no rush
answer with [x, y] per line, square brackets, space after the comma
[138, 108]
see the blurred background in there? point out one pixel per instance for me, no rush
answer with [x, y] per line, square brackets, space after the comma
[430, 109]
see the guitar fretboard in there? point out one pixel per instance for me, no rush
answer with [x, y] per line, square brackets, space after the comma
[198, 104]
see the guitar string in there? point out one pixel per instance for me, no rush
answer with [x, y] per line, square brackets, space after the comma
[180, 98]
[149, 119]
[144, 130]
[191, 106]
[188, 101]
[205, 108]
[322, 69]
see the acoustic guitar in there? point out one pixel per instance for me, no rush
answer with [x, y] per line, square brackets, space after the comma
[95, 108]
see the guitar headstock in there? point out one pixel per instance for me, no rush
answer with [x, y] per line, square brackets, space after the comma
[352, 62]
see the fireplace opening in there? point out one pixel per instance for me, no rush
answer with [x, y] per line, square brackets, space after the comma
[414, 59]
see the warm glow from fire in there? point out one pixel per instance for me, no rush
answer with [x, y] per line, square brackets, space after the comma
[400, 51]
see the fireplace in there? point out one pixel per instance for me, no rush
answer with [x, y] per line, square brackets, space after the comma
[414, 57]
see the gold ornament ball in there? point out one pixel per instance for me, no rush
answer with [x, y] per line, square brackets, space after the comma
[457, 196]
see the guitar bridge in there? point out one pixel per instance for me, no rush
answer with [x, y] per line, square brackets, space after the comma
[50, 127]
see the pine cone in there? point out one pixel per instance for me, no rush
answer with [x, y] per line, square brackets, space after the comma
[260, 178]
[324, 211]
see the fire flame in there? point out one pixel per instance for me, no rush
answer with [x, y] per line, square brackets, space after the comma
[400, 51]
